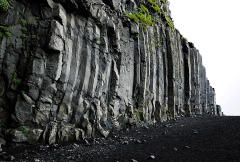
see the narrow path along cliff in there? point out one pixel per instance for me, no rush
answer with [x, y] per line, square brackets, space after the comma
[201, 138]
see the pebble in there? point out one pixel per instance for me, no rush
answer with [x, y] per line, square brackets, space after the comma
[123, 138]
[195, 132]
[151, 157]
[175, 149]
[86, 142]
[75, 145]
[164, 132]
[137, 141]
[125, 142]
[187, 147]
[0, 148]
[54, 145]
[146, 127]
[11, 158]
[36, 160]
[133, 160]
[96, 142]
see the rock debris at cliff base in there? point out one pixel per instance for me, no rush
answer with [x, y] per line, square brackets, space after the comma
[217, 139]
[79, 69]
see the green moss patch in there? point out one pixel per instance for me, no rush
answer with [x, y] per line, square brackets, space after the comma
[4, 5]
[5, 30]
[16, 80]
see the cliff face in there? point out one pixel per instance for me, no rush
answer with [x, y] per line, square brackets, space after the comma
[83, 68]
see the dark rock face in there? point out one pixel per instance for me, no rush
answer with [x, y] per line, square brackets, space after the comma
[79, 69]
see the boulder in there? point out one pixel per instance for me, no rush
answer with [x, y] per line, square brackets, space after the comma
[23, 111]
[2, 142]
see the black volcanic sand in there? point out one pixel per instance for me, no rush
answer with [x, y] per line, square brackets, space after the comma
[202, 138]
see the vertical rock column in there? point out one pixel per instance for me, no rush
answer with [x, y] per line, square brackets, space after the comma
[159, 92]
[187, 76]
[198, 109]
[219, 110]
[203, 81]
[163, 41]
[208, 96]
[171, 57]
[180, 77]
[176, 79]
[143, 72]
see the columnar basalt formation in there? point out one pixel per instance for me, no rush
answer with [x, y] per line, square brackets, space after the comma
[82, 68]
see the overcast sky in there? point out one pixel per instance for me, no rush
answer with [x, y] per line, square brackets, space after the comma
[214, 28]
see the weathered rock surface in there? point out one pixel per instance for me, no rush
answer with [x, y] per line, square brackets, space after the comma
[79, 69]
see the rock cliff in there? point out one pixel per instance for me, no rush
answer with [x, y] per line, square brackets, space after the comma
[76, 69]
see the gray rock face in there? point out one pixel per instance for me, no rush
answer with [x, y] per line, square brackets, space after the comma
[219, 110]
[80, 69]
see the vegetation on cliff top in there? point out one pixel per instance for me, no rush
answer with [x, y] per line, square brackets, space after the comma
[4, 5]
[144, 18]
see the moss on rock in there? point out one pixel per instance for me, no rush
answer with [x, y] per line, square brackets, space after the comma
[4, 5]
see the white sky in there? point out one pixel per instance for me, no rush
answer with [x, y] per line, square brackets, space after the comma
[214, 28]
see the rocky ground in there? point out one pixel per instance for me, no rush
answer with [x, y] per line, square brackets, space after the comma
[202, 138]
